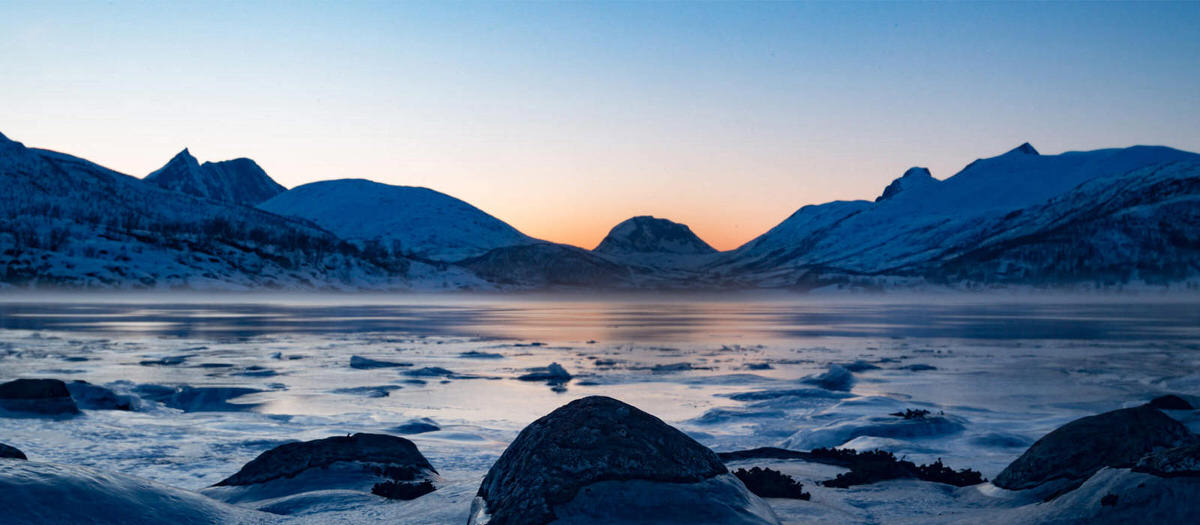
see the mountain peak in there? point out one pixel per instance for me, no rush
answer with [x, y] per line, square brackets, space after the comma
[239, 181]
[913, 177]
[646, 234]
[1023, 149]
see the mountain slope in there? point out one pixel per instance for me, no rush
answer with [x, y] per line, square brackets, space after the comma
[65, 221]
[419, 222]
[1143, 225]
[238, 181]
[920, 219]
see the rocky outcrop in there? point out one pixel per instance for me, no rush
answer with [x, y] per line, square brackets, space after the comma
[597, 458]
[37, 396]
[1077, 450]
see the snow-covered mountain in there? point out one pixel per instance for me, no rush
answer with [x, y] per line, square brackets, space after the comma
[238, 181]
[920, 220]
[1102, 218]
[418, 222]
[65, 221]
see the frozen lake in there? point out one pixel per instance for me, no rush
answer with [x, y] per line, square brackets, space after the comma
[730, 373]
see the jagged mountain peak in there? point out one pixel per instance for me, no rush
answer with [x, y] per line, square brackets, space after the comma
[1023, 149]
[647, 234]
[239, 181]
[915, 176]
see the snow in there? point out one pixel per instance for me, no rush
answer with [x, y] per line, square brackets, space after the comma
[418, 222]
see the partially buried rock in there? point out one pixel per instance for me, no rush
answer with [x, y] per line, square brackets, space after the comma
[364, 363]
[11, 452]
[94, 397]
[377, 463]
[37, 396]
[1078, 449]
[597, 459]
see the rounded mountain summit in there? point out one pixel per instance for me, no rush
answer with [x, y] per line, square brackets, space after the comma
[646, 234]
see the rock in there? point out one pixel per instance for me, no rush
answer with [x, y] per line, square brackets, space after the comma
[363, 363]
[598, 459]
[1170, 402]
[37, 396]
[364, 462]
[1078, 449]
[1183, 460]
[11, 452]
[553, 372]
[416, 426]
[837, 378]
[94, 397]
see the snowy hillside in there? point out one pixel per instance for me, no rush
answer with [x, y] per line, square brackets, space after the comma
[919, 219]
[1105, 218]
[238, 181]
[418, 222]
[65, 221]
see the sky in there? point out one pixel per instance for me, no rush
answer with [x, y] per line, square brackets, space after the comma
[564, 119]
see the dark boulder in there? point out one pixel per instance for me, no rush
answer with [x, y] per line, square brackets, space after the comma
[11, 452]
[286, 477]
[288, 460]
[1078, 449]
[585, 444]
[37, 396]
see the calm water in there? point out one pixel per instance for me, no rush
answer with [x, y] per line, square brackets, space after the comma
[1010, 369]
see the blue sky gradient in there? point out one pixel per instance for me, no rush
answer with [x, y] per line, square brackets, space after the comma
[564, 119]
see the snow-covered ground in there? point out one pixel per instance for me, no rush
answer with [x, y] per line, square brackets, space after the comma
[733, 374]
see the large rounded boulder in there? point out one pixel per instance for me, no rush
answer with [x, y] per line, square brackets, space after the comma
[597, 459]
[37, 397]
[1078, 449]
[380, 464]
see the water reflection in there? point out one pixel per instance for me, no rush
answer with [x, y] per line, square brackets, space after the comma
[691, 321]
